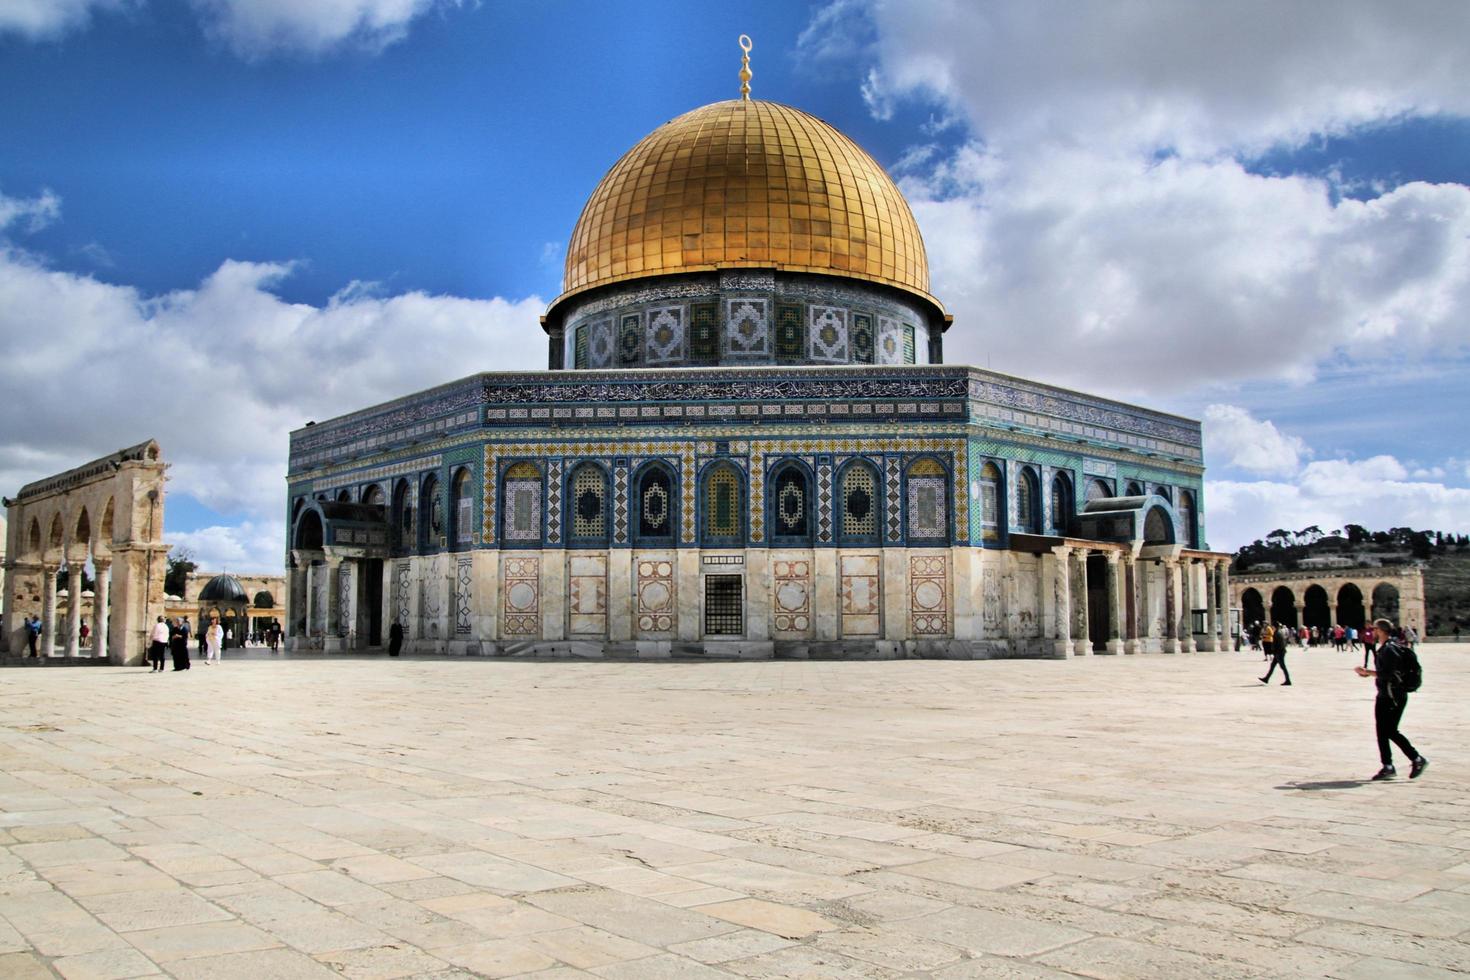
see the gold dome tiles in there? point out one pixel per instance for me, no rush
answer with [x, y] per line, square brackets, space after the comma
[747, 184]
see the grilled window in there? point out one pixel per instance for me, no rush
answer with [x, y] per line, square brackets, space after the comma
[724, 613]
[704, 333]
[655, 506]
[791, 504]
[589, 503]
[722, 505]
[862, 338]
[790, 333]
[859, 504]
[522, 503]
[908, 343]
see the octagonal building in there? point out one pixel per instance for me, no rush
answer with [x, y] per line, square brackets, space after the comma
[746, 444]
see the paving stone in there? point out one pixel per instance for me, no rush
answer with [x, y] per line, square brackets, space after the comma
[266, 964]
[779, 920]
[983, 931]
[107, 964]
[380, 962]
[206, 939]
[497, 958]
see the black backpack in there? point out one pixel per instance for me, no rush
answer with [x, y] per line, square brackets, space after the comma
[1407, 674]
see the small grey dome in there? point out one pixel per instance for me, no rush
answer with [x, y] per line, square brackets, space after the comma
[223, 588]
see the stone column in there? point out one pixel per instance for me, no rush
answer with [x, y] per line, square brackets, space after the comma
[47, 639]
[1171, 605]
[1115, 603]
[1132, 642]
[1186, 606]
[1301, 616]
[1332, 614]
[308, 574]
[1211, 643]
[101, 613]
[1223, 583]
[1082, 645]
[1062, 596]
[73, 606]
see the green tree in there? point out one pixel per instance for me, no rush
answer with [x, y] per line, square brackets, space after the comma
[180, 565]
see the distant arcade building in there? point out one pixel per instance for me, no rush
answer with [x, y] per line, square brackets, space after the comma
[1331, 597]
[746, 444]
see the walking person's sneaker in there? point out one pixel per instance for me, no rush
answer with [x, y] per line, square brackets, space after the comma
[1286, 683]
[1387, 772]
[1263, 680]
[1417, 769]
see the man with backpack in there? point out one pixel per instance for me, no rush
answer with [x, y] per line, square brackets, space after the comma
[1397, 673]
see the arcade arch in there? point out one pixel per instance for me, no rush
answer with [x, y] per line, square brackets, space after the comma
[1347, 597]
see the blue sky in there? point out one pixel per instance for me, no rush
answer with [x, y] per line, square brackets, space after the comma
[252, 210]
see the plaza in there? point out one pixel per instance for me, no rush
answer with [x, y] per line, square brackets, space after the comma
[1145, 816]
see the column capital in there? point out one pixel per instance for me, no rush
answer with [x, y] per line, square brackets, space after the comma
[1113, 557]
[1062, 551]
[101, 563]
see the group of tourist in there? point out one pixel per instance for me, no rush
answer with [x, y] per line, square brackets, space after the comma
[173, 638]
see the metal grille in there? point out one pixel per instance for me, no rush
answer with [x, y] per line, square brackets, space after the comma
[908, 343]
[654, 501]
[724, 605]
[589, 515]
[859, 515]
[790, 334]
[862, 338]
[791, 498]
[704, 337]
[580, 356]
[722, 504]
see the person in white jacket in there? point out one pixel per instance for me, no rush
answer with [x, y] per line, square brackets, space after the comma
[214, 639]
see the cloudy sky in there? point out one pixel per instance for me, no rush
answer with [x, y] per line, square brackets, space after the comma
[222, 218]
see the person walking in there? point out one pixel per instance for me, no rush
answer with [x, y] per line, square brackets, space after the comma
[158, 643]
[1388, 673]
[83, 632]
[214, 640]
[274, 632]
[178, 644]
[1278, 659]
[395, 638]
[1268, 637]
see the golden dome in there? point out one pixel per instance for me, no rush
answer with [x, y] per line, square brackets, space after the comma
[746, 184]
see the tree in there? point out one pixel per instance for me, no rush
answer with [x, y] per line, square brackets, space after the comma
[180, 565]
[1279, 538]
[1309, 535]
[1419, 545]
[1356, 533]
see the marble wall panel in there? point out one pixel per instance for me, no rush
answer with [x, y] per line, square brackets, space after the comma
[464, 595]
[587, 595]
[521, 588]
[791, 597]
[931, 600]
[860, 594]
[656, 594]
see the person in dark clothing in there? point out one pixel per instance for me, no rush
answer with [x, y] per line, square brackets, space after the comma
[1389, 705]
[395, 638]
[33, 633]
[1278, 658]
[178, 646]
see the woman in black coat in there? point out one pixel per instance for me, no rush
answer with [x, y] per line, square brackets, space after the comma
[178, 645]
[395, 638]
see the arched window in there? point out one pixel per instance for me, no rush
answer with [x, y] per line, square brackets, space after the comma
[1061, 504]
[372, 495]
[1098, 490]
[857, 504]
[1166, 492]
[1135, 489]
[431, 518]
[1028, 502]
[724, 506]
[927, 499]
[1157, 527]
[586, 498]
[990, 502]
[463, 513]
[344, 496]
[403, 511]
[1187, 519]
[520, 505]
[791, 505]
[657, 507]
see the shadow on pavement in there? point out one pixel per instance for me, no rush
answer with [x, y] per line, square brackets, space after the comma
[1329, 784]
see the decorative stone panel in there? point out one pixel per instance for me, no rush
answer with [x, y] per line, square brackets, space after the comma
[859, 595]
[553, 501]
[600, 344]
[402, 592]
[748, 328]
[890, 341]
[521, 587]
[791, 597]
[657, 595]
[824, 503]
[463, 595]
[930, 595]
[587, 595]
[664, 340]
[827, 334]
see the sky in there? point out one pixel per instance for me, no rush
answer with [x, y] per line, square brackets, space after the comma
[220, 219]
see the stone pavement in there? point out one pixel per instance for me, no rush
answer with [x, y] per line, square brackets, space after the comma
[1109, 817]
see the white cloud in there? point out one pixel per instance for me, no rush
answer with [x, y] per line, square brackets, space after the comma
[1103, 209]
[29, 214]
[1234, 437]
[1377, 493]
[46, 19]
[249, 547]
[221, 373]
[253, 28]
